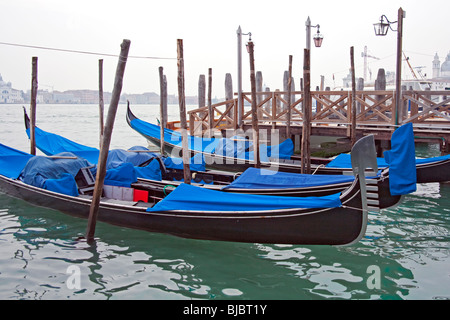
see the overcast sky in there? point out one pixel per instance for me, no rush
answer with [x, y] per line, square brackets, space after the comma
[208, 30]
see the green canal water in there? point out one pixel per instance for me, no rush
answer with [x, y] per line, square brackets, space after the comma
[404, 255]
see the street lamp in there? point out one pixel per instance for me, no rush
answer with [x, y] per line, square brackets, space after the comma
[239, 44]
[381, 29]
[318, 37]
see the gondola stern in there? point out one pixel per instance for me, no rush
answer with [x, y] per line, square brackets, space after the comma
[26, 119]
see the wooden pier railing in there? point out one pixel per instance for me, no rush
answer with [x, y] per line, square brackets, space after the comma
[328, 107]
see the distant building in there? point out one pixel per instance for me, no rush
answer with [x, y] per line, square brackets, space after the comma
[8, 94]
[441, 73]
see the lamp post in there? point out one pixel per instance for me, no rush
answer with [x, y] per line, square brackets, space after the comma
[239, 45]
[306, 105]
[318, 38]
[381, 29]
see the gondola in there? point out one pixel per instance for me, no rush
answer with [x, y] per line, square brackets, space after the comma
[436, 169]
[251, 181]
[198, 213]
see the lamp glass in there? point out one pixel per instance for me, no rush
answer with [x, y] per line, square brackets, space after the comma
[381, 28]
[318, 38]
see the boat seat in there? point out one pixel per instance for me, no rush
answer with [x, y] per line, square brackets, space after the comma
[85, 181]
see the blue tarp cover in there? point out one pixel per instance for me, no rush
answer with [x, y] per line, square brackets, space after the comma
[39, 170]
[53, 173]
[254, 178]
[123, 175]
[65, 185]
[174, 137]
[197, 163]
[57, 174]
[117, 157]
[401, 160]
[344, 161]
[434, 159]
[51, 144]
[12, 161]
[231, 147]
[188, 197]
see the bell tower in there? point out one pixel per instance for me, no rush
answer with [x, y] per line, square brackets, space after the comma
[436, 66]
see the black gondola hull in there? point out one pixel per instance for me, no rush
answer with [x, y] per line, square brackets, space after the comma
[332, 226]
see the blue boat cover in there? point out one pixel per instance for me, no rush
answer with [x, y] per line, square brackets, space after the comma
[58, 174]
[51, 144]
[60, 171]
[344, 160]
[188, 197]
[231, 147]
[434, 159]
[197, 163]
[174, 137]
[12, 161]
[254, 178]
[283, 150]
[401, 160]
[117, 157]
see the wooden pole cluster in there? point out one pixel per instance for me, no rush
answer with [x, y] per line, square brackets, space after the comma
[101, 104]
[229, 93]
[201, 94]
[352, 70]
[255, 127]
[103, 156]
[182, 103]
[306, 129]
[163, 103]
[289, 88]
[210, 108]
[34, 88]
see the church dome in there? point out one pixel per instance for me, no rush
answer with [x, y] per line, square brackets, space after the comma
[445, 68]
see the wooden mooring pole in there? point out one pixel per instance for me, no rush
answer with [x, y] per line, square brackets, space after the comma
[255, 127]
[289, 82]
[210, 108]
[34, 88]
[306, 129]
[106, 140]
[183, 124]
[352, 70]
[101, 104]
[161, 109]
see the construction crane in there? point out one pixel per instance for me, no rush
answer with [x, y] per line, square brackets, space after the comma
[365, 56]
[409, 65]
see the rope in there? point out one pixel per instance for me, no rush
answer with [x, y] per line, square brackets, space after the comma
[359, 209]
[81, 52]
[167, 185]
[319, 166]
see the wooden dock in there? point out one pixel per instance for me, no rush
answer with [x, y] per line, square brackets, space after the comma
[331, 114]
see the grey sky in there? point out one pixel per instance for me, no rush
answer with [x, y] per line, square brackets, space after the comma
[208, 30]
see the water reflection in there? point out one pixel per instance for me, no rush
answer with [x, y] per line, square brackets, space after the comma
[409, 245]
